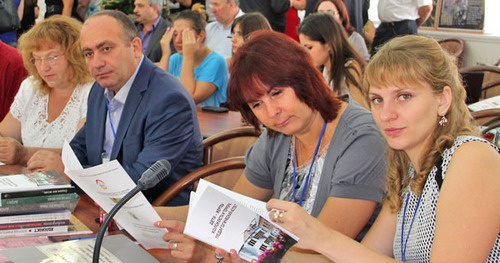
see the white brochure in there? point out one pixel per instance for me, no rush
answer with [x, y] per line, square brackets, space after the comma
[228, 220]
[106, 184]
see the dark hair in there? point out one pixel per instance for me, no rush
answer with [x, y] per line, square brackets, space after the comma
[129, 30]
[251, 22]
[326, 30]
[196, 19]
[260, 65]
[343, 14]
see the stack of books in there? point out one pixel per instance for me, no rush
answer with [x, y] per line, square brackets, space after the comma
[35, 203]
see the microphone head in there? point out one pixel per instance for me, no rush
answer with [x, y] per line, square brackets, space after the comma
[154, 174]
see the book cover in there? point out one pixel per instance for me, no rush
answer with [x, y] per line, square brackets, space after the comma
[38, 208]
[32, 181]
[229, 222]
[20, 194]
[33, 231]
[39, 199]
[46, 223]
[56, 215]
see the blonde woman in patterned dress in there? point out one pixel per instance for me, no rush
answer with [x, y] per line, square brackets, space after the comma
[51, 104]
[443, 183]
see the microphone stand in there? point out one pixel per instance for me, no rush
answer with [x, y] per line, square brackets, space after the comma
[105, 223]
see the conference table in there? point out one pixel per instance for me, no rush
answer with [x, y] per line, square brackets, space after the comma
[87, 212]
[214, 122]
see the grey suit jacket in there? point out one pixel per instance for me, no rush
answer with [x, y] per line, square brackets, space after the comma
[158, 122]
[153, 52]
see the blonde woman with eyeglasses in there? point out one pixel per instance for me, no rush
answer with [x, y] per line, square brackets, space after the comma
[51, 104]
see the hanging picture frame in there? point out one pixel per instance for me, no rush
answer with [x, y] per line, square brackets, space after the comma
[463, 15]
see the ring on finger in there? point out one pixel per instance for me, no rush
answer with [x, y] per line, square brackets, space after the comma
[280, 216]
[276, 215]
[174, 245]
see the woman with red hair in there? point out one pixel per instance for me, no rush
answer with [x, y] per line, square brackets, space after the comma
[323, 153]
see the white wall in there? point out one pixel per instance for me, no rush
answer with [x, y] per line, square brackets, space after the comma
[480, 48]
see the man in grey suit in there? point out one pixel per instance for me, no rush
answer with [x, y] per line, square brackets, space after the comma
[151, 26]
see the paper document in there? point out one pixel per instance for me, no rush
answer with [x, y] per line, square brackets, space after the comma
[228, 220]
[487, 104]
[106, 184]
[115, 249]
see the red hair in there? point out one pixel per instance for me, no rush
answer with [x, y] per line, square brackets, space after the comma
[343, 14]
[270, 59]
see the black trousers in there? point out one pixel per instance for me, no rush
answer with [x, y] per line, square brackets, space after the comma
[387, 31]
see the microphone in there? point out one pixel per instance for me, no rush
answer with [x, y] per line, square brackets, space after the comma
[150, 178]
[154, 174]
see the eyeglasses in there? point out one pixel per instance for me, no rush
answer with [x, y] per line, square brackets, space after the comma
[331, 12]
[235, 34]
[49, 60]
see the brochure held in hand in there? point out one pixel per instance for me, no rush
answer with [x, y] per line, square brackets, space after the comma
[228, 220]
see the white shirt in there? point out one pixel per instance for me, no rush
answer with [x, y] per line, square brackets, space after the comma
[116, 103]
[31, 110]
[398, 10]
[218, 37]
[208, 9]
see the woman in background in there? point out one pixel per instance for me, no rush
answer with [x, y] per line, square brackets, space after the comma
[51, 104]
[443, 184]
[337, 9]
[202, 71]
[243, 26]
[329, 48]
[67, 8]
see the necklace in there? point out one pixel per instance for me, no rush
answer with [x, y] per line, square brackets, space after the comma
[310, 167]
[403, 248]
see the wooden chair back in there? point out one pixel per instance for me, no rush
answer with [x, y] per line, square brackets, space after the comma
[486, 117]
[491, 80]
[233, 142]
[226, 168]
[454, 46]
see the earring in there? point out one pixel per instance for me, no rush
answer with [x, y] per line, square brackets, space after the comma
[443, 120]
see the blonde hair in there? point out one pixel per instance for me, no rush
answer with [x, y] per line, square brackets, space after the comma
[410, 60]
[200, 8]
[50, 32]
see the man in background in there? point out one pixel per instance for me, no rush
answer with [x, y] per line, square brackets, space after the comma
[137, 113]
[151, 26]
[175, 6]
[273, 10]
[219, 32]
[400, 18]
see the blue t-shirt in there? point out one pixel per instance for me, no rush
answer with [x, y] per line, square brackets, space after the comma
[212, 69]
